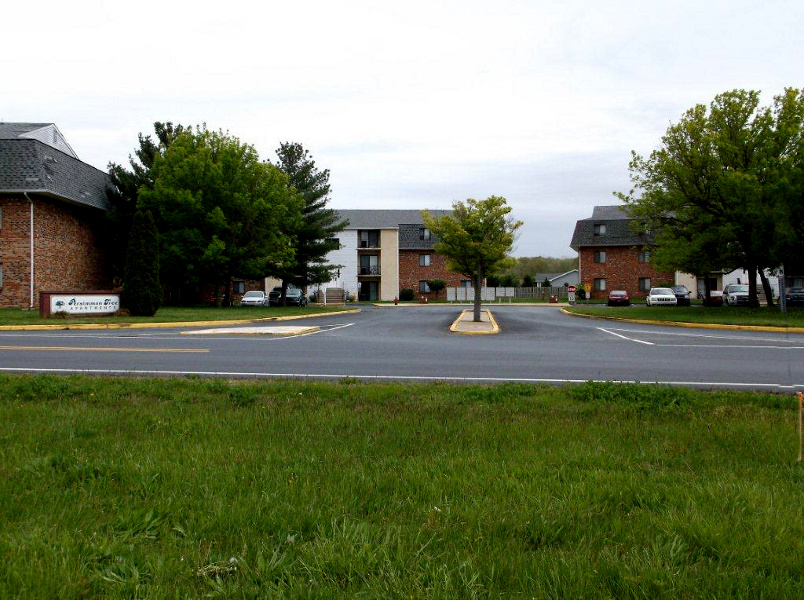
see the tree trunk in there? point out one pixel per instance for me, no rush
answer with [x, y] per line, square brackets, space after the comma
[478, 292]
[766, 287]
[707, 290]
[284, 296]
[753, 301]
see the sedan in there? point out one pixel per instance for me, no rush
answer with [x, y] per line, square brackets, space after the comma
[682, 295]
[661, 297]
[619, 298]
[795, 296]
[253, 299]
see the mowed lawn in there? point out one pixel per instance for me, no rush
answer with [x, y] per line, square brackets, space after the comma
[727, 315]
[187, 487]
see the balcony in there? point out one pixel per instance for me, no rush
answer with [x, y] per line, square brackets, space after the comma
[370, 270]
[368, 245]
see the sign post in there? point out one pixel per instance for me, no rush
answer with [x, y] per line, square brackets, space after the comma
[782, 290]
[571, 295]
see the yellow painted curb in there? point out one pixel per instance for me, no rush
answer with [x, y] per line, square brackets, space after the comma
[495, 327]
[169, 325]
[764, 328]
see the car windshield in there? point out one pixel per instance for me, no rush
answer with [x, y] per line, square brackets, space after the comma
[617, 293]
[661, 292]
[253, 295]
[796, 291]
[681, 289]
[738, 288]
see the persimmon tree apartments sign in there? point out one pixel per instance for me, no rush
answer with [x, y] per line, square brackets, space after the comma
[82, 303]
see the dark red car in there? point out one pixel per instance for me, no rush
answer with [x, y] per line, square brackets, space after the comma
[619, 298]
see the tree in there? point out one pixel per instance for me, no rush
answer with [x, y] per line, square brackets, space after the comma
[475, 239]
[527, 281]
[142, 292]
[124, 191]
[719, 192]
[220, 211]
[319, 225]
[436, 285]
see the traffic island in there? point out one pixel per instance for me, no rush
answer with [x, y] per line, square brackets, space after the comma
[280, 331]
[465, 324]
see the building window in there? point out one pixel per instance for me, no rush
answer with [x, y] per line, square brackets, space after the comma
[600, 229]
[644, 284]
[239, 287]
[644, 256]
[600, 284]
[600, 256]
[423, 287]
[424, 260]
[424, 233]
[369, 239]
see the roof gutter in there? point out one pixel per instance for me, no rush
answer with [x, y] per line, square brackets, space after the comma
[31, 305]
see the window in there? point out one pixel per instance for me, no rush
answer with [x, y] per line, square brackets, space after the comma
[424, 233]
[600, 285]
[423, 287]
[239, 287]
[600, 256]
[644, 284]
[644, 256]
[369, 239]
[335, 242]
[424, 260]
[600, 229]
[466, 283]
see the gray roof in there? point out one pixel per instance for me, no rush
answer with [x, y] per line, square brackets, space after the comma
[409, 237]
[385, 219]
[618, 229]
[47, 133]
[30, 165]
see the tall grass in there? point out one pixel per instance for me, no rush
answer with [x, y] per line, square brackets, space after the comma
[190, 487]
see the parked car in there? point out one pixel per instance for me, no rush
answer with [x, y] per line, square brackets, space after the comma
[795, 296]
[293, 297]
[255, 298]
[660, 297]
[715, 298]
[682, 295]
[619, 298]
[735, 294]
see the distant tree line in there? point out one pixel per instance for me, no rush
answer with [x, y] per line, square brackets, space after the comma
[219, 212]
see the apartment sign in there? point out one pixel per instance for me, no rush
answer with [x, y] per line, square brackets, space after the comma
[85, 304]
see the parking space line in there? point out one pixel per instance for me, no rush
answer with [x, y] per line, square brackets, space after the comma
[627, 338]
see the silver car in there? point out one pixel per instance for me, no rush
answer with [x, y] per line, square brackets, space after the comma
[735, 294]
[253, 299]
[661, 297]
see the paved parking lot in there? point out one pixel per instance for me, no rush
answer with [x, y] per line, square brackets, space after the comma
[536, 344]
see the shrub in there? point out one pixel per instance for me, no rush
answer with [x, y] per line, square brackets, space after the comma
[406, 294]
[527, 281]
[142, 292]
[436, 285]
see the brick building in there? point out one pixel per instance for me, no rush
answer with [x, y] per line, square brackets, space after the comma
[420, 263]
[52, 209]
[613, 256]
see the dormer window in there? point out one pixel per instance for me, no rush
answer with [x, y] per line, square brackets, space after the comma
[600, 229]
[424, 233]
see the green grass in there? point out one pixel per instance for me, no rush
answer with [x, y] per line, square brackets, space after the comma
[187, 487]
[166, 314]
[728, 315]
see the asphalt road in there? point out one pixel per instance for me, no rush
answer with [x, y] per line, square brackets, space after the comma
[537, 344]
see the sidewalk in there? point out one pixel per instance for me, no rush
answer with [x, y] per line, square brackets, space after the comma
[466, 325]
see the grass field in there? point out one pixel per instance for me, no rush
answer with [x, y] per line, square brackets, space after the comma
[187, 487]
[729, 315]
[166, 314]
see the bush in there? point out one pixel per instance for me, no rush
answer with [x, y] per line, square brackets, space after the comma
[527, 281]
[142, 292]
[436, 285]
[406, 294]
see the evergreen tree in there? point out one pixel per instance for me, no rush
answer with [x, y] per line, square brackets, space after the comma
[315, 235]
[142, 293]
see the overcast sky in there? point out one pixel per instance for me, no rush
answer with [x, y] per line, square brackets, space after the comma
[409, 104]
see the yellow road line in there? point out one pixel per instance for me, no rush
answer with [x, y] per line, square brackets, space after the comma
[107, 349]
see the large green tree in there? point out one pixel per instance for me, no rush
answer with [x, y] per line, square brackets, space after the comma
[142, 292]
[124, 191]
[714, 194]
[319, 225]
[476, 239]
[220, 211]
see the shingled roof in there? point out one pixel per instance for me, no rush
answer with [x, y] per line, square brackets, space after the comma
[385, 219]
[35, 158]
[618, 229]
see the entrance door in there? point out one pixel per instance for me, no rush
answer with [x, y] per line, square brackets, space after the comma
[369, 291]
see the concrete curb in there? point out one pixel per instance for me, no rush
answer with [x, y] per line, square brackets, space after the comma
[495, 328]
[763, 328]
[169, 325]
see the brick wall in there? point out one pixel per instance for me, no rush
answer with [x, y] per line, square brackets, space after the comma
[622, 270]
[67, 249]
[410, 273]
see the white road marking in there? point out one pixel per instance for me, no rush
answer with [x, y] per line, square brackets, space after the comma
[627, 338]
[711, 336]
[729, 346]
[256, 374]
